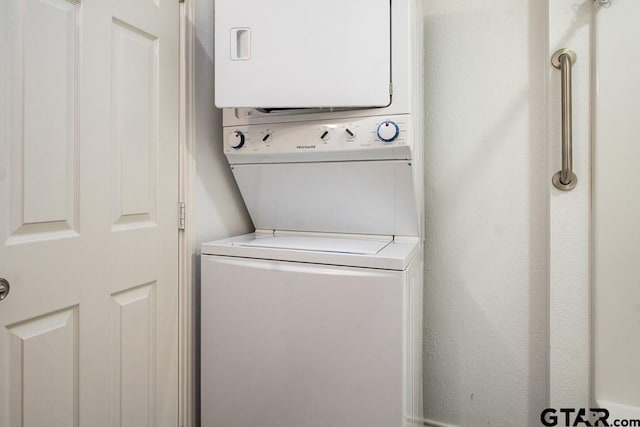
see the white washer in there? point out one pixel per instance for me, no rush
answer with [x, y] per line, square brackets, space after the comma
[307, 330]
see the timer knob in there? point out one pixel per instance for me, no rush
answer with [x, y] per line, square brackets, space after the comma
[266, 137]
[237, 140]
[388, 131]
[325, 134]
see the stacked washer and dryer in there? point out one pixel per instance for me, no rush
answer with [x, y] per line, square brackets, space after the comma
[315, 319]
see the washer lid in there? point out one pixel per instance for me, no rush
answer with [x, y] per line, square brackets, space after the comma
[351, 251]
[319, 244]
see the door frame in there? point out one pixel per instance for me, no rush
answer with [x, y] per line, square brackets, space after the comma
[187, 406]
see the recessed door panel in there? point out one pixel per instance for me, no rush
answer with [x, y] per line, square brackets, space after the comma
[134, 125]
[41, 120]
[291, 53]
[133, 356]
[43, 370]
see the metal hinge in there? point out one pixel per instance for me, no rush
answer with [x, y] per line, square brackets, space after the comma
[182, 215]
[390, 88]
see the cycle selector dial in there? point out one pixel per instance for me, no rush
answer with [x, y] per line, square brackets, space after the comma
[237, 140]
[267, 136]
[388, 131]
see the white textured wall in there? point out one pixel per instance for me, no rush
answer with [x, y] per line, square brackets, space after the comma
[486, 203]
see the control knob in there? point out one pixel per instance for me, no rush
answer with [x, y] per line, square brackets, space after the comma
[351, 134]
[237, 140]
[388, 131]
[266, 137]
[325, 134]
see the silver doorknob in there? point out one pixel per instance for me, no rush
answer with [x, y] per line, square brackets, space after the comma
[4, 288]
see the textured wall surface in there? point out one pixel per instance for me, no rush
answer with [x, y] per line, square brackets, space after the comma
[486, 203]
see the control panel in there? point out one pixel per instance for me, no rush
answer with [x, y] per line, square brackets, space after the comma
[303, 139]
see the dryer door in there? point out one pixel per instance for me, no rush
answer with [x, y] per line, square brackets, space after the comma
[302, 54]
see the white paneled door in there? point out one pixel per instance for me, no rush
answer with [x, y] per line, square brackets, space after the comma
[88, 218]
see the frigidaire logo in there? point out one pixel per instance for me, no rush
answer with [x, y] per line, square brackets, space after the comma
[586, 417]
[305, 147]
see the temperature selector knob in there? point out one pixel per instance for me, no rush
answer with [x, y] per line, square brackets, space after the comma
[388, 131]
[237, 140]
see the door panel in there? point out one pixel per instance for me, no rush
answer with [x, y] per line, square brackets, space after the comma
[42, 121]
[88, 221]
[52, 385]
[616, 209]
[133, 355]
[135, 124]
